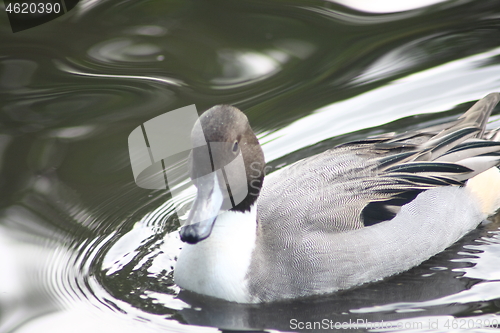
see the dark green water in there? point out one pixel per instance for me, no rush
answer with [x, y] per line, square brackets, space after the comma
[84, 249]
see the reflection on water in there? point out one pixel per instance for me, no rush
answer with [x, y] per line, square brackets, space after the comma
[465, 80]
[82, 248]
[386, 6]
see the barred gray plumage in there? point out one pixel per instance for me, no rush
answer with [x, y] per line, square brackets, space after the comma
[317, 207]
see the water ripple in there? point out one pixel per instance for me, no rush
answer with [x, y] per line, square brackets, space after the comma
[66, 68]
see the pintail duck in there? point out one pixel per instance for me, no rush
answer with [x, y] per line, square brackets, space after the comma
[356, 213]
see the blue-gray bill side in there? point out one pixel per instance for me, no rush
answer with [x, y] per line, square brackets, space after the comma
[204, 211]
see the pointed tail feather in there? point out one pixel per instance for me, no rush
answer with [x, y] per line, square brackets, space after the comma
[471, 125]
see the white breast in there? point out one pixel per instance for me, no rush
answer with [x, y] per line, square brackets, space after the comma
[218, 265]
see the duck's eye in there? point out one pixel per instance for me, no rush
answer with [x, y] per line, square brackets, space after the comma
[235, 146]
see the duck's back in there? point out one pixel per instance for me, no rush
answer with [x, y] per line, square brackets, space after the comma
[322, 192]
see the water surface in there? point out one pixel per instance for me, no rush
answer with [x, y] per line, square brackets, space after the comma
[82, 248]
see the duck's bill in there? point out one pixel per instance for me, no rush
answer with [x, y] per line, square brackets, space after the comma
[204, 211]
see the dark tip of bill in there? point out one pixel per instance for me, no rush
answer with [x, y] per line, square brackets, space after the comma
[190, 235]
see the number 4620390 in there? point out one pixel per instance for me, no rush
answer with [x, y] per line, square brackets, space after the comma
[33, 8]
